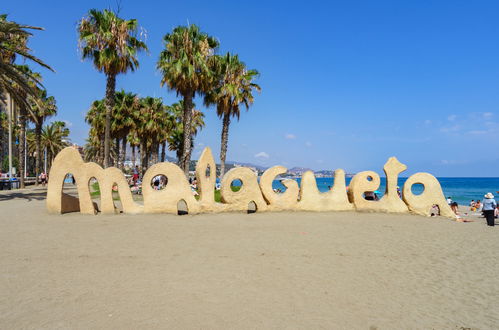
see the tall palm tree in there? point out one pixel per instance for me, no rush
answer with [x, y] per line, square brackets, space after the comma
[22, 114]
[233, 87]
[96, 118]
[13, 79]
[152, 124]
[184, 67]
[175, 138]
[39, 113]
[54, 139]
[112, 43]
[122, 121]
[134, 142]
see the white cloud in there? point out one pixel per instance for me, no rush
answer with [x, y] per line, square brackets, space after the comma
[68, 123]
[319, 161]
[290, 136]
[487, 115]
[262, 155]
[477, 132]
[451, 118]
[450, 129]
[308, 144]
[427, 122]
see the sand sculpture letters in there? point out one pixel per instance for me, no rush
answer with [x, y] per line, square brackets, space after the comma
[307, 197]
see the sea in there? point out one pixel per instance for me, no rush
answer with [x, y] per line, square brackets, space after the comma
[461, 190]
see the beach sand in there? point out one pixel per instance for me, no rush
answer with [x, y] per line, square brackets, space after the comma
[265, 270]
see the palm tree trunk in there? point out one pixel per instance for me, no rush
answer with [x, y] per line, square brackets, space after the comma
[101, 150]
[144, 157]
[156, 154]
[133, 155]
[110, 91]
[223, 143]
[38, 142]
[123, 154]
[117, 152]
[163, 151]
[187, 121]
[22, 149]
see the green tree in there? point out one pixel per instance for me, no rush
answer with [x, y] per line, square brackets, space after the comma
[54, 138]
[112, 43]
[13, 79]
[96, 119]
[233, 86]
[24, 110]
[184, 68]
[123, 121]
[40, 111]
[175, 137]
[152, 124]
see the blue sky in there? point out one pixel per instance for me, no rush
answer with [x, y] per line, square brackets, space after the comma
[345, 84]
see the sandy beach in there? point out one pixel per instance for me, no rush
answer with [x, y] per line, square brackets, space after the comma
[243, 271]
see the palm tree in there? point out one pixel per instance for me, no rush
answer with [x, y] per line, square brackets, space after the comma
[233, 86]
[112, 43]
[91, 151]
[176, 137]
[184, 67]
[123, 122]
[134, 143]
[152, 124]
[96, 118]
[22, 114]
[13, 43]
[54, 139]
[39, 113]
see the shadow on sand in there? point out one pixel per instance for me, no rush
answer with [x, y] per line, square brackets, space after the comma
[29, 195]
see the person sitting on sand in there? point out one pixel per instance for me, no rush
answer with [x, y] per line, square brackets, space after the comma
[454, 207]
[478, 205]
[435, 210]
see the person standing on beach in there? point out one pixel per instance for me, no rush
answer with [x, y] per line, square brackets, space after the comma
[489, 205]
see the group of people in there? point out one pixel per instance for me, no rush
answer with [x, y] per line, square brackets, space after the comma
[488, 207]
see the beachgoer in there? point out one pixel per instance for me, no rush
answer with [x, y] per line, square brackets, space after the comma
[449, 200]
[489, 205]
[454, 207]
[43, 178]
[369, 195]
[135, 174]
[478, 206]
[472, 205]
[399, 192]
[435, 210]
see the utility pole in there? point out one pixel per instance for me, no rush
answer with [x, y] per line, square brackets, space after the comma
[25, 156]
[11, 103]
